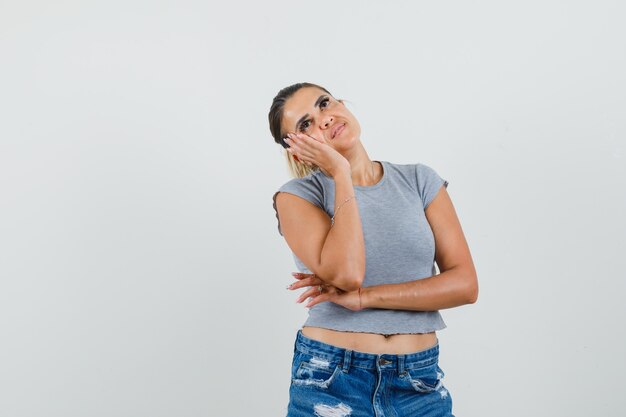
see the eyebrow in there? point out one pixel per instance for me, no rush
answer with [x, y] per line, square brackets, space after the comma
[317, 103]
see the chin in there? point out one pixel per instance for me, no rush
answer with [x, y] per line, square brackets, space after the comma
[349, 141]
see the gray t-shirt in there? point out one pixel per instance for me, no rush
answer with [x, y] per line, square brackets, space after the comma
[399, 243]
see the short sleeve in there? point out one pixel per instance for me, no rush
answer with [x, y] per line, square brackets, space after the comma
[307, 188]
[428, 183]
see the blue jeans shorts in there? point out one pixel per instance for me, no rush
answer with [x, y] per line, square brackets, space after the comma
[330, 381]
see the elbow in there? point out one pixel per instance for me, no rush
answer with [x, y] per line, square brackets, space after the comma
[350, 281]
[344, 272]
[472, 291]
[346, 278]
[473, 297]
[353, 285]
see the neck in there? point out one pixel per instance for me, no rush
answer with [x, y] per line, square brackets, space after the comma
[364, 170]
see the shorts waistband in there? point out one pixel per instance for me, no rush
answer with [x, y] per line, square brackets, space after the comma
[348, 357]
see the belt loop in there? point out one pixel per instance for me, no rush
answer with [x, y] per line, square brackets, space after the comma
[346, 360]
[401, 364]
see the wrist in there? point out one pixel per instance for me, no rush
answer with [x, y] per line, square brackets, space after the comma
[341, 173]
[365, 295]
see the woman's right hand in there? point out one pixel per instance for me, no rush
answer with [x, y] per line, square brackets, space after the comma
[311, 150]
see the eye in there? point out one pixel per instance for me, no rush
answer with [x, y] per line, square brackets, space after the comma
[323, 104]
[304, 125]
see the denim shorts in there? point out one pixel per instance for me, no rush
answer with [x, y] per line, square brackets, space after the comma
[330, 381]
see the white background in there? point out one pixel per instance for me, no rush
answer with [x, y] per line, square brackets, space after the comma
[141, 270]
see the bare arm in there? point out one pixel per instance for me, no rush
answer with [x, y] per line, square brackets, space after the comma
[335, 254]
[456, 285]
[446, 290]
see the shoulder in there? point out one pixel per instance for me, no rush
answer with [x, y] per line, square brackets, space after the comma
[416, 175]
[425, 174]
[429, 182]
[312, 183]
[422, 168]
[403, 173]
[310, 188]
[406, 169]
[420, 177]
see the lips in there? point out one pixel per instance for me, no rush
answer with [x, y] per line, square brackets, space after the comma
[337, 130]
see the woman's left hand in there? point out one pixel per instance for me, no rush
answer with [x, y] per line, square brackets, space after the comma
[347, 299]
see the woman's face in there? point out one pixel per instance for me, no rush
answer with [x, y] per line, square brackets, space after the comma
[316, 113]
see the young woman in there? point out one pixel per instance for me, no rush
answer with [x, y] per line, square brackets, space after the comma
[365, 235]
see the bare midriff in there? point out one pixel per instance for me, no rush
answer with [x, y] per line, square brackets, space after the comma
[372, 342]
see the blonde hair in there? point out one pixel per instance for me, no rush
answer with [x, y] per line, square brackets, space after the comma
[299, 169]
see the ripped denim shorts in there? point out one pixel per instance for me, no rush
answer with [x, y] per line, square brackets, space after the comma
[330, 381]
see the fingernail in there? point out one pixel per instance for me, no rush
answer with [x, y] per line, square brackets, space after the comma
[288, 286]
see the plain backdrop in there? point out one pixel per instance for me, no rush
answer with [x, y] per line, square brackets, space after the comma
[141, 270]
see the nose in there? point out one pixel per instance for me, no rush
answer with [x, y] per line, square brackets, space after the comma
[327, 122]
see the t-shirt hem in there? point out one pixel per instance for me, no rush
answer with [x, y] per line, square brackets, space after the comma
[394, 330]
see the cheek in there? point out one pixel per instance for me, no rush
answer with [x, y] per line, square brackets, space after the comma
[355, 123]
[356, 129]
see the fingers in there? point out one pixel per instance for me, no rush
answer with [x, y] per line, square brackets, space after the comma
[304, 148]
[297, 148]
[310, 279]
[315, 296]
[298, 136]
[308, 293]
[300, 275]
[313, 293]
[302, 142]
[320, 140]
[297, 152]
[318, 299]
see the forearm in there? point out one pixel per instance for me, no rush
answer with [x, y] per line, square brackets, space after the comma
[342, 259]
[452, 288]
